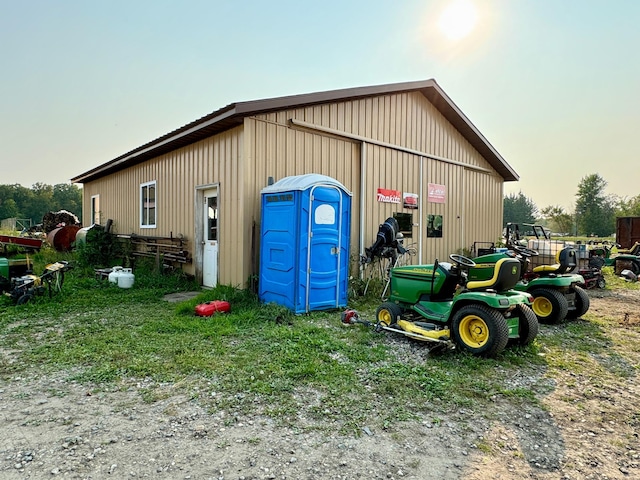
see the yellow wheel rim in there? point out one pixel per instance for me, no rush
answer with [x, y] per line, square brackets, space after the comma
[474, 331]
[542, 307]
[384, 316]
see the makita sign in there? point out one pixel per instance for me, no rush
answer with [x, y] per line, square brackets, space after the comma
[389, 196]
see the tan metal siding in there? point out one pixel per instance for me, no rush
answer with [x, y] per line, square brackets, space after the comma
[408, 120]
[451, 211]
[483, 211]
[241, 160]
[211, 161]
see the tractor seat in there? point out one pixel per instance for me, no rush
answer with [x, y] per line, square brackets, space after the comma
[634, 250]
[505, 276]
[566, 261]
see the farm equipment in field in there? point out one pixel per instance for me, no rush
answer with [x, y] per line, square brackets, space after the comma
[23, 243]
[592, 274]
[557, 293]
[16, 278]
[623, 259]
[23, 288]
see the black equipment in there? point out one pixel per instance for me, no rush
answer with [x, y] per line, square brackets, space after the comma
[388, 243]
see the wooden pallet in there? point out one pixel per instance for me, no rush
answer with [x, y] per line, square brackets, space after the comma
[172, 250]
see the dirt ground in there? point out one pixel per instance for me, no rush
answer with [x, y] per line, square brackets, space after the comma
[51, 428]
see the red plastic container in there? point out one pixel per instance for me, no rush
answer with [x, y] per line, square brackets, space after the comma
[209, 308]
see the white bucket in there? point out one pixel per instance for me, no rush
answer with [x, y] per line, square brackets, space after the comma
[125, 279]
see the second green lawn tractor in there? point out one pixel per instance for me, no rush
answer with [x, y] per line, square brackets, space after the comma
[556, 292]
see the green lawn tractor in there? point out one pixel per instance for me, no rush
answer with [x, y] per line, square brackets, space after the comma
[436, 303]
[623, 259]
[557, 294]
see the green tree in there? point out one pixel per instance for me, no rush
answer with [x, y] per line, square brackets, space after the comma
[18, 195]
[34, 202]
[559, 220]
[67, 196]
[595, 212]
[8, 209]
[629, 208]
[42, 201]
[517, 208]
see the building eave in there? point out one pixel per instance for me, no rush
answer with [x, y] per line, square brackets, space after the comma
[233, 115]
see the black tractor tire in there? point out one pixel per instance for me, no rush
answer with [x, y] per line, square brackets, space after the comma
[601, 283]
[549, 305]
[582, 304]
[527, 326]
[388, 313]
[480, 330]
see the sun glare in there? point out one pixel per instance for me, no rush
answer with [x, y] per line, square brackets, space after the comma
[458, 19]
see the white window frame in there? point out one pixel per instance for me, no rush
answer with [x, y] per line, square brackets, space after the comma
[144, 186]
[95, 209]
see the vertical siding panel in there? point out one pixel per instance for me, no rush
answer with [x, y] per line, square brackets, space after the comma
[241, 160]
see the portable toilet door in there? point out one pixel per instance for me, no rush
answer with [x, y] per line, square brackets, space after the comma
[327, 238]
[304, 246]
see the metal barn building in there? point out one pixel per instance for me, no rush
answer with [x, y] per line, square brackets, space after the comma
[402, 149]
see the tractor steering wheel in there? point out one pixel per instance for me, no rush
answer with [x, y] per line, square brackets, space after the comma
[462, 260]
[524, 251]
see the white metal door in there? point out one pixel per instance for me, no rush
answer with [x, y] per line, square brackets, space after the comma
[210, 239]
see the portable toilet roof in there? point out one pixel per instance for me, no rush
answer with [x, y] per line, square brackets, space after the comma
[303, 182]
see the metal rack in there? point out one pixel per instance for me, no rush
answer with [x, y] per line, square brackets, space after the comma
[165, 250]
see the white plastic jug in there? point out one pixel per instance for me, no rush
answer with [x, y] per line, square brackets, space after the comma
[125, 278]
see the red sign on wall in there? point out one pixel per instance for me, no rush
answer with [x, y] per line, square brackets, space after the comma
[410, 200]
[436, 193]
[389, 196]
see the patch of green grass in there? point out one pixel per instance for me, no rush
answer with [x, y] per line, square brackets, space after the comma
[520, 393]
[485, 447]
[263, 358]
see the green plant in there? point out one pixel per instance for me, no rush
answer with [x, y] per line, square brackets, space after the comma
[100, 248]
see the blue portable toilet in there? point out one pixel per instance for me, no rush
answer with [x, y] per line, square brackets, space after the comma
[304, 243]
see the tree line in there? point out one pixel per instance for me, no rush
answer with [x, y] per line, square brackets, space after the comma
[32, 203]
[594, 212]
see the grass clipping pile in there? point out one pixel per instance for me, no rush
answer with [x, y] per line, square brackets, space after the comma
[584, 425]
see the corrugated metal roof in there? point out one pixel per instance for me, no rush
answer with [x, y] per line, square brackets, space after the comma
[233, 115]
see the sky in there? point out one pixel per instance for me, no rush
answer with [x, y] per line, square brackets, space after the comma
[553, 85]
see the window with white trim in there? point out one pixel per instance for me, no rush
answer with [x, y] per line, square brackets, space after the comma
[95, 209]
[148, 212]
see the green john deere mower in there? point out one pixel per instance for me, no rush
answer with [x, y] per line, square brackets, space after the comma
[557, 293]
[436, 303]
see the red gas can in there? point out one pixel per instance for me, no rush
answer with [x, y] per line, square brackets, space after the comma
[209, 308]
